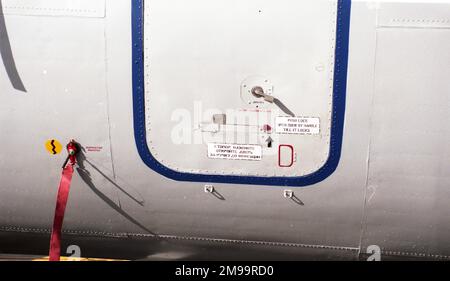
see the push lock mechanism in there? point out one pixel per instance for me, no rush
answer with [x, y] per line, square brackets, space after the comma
[259, 93]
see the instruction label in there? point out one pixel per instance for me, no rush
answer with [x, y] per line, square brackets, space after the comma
[297, 125]
[94, 148]
[234, 151]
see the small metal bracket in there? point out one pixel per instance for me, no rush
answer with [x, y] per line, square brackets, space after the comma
[209, 188]
[288, 194]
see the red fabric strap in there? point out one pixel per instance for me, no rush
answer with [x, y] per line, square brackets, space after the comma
[61, 202]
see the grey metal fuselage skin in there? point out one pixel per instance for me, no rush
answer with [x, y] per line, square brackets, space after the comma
[69, 75]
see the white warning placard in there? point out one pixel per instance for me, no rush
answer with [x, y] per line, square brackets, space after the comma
[297, 125]
[235, 151]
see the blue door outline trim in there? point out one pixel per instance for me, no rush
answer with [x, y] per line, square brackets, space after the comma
[338, 111]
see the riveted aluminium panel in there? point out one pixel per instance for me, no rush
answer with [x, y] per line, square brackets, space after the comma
[204, 59]
[408, 179]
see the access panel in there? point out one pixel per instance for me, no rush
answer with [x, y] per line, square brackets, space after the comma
[240, 91]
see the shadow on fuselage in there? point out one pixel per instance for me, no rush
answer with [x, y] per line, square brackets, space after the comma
[297, 200]
[7, 55]
[86, 177]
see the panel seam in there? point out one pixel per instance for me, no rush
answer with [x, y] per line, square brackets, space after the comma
[369, 145]
[125, 235]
